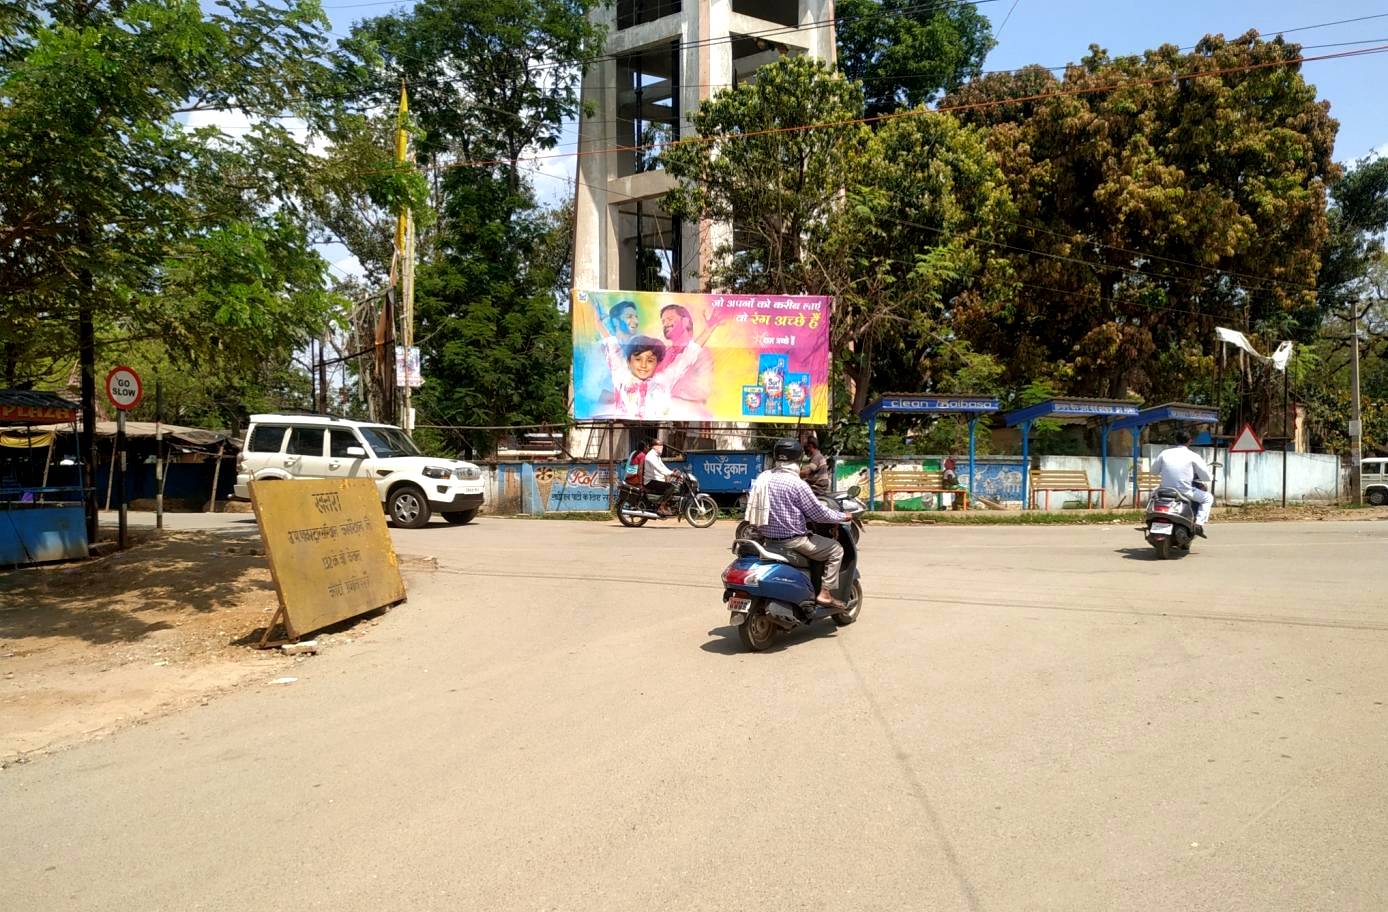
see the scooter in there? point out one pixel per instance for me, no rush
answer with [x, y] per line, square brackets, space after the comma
[1169, 524]
[769, 589]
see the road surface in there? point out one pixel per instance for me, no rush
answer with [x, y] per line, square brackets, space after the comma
[1023, 719]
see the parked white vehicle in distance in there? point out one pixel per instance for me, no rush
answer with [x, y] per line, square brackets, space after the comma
[1373, 475]
[412, 486]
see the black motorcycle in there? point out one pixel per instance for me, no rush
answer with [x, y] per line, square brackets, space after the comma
[636, 505]
[1169, 524]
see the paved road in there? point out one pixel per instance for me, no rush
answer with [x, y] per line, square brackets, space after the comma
[1024, 718]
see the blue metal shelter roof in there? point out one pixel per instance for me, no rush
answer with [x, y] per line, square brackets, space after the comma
[926, 404]
[1072, 408]
[1171, 411]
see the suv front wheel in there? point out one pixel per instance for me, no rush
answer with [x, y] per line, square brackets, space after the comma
[408, 507]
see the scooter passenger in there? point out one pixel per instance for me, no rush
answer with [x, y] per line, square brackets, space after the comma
[781, 506]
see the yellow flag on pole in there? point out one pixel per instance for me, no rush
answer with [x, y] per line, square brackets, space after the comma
[402, 146]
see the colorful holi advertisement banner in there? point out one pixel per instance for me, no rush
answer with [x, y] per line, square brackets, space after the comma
[650, 355]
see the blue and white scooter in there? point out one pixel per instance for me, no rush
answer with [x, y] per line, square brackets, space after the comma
[770, 589]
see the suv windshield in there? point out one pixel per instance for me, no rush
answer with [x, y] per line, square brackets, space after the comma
[387, 442]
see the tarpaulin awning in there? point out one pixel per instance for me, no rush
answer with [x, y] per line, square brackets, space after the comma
[199, 438]
[19, 440]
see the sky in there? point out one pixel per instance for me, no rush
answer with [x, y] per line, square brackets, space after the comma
[1057, 32]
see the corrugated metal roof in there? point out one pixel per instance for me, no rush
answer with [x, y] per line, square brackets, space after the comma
[34, 399]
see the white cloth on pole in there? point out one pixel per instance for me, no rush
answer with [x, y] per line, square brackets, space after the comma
[1282, 356]
[1279, 358]
[1238, 339]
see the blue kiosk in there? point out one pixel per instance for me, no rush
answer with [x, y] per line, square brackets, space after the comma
[1181, 412]
[975, 407]
[1105, 410]
[40, 522]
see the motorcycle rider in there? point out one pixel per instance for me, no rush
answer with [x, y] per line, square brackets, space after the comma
[1179, 467]
[781, 505]
[655, 475]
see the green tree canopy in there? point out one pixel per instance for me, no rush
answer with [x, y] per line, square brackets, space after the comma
[907, 53]
[887, 221]
[1157, 195]
[115, 215]
[490, 82]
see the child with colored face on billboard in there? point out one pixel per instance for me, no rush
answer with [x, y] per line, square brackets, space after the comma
[640, 391]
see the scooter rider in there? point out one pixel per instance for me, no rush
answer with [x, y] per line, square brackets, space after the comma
[1179, 467]
[781, 505]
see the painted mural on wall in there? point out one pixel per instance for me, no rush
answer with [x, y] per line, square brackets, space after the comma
[574, 488]
[996, 481]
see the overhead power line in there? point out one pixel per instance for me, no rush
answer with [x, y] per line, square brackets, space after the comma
[1063, 92]
[763, 34]
[1263, 283]
[445, 81]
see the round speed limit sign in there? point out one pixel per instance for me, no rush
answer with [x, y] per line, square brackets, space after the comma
[123, 388]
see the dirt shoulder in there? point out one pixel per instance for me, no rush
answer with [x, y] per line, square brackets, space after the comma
[87, 648]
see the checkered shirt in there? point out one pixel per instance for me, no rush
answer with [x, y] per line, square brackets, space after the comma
[792, 503]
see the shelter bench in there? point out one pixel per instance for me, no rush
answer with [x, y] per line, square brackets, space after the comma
[916, 481]
[1067, 480]
[1147, 482]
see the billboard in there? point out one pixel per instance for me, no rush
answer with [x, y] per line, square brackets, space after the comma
[657, 356]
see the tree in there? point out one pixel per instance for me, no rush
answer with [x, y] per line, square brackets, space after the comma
[494, 342]
[498, 347]
[886, 220]
[906, 53]
[489, 80]
[779, 187]
[115, 219]
[1157, 195]
[911, 248]
[1322, 381]
[1358, 218]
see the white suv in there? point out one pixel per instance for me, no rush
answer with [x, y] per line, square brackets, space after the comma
[1373, 476]
[412, 486]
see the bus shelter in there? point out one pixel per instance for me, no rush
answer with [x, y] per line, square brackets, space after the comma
[1179, 412]
[1102, 410]
[974, 407]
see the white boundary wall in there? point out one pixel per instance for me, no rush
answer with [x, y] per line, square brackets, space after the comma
[1310, 476]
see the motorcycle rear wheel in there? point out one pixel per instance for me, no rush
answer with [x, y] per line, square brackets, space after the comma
[757, 630]
[1163, 548]
[631, 522]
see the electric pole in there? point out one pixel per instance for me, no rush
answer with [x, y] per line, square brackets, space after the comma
[1356, 426]
[407, 293]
